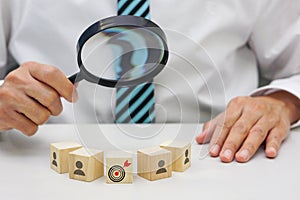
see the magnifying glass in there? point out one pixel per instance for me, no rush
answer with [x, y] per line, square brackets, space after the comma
[121, 51]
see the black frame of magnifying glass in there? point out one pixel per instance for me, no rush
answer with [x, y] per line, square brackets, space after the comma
[119, 21]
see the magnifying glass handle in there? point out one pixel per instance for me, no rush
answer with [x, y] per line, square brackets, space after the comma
[75, 78]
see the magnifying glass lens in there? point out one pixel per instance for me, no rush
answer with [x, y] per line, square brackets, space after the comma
[123, 53]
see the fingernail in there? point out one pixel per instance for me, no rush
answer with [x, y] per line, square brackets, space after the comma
[215, 149]
[272, 149]
[272, 152]
[244, 154]
[227, 154]
[201, 138]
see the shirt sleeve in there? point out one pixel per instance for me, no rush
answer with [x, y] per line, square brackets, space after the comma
[5, 27]
[276, 42]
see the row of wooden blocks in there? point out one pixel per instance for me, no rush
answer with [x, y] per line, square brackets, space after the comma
[88, 164]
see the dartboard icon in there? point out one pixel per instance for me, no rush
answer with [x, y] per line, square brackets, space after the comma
[116, 173]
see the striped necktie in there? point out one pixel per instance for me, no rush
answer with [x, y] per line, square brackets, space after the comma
[135, 104]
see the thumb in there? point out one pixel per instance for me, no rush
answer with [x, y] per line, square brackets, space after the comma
[207, 131]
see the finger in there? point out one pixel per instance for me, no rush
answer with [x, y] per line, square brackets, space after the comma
[4, 126]
[222, 129]
[52, 77]
[237, 135]
[34, 111]
[22, 123]
[14, 107]
[46, 96]
[207, 132]
[257, 135]
[274, 140]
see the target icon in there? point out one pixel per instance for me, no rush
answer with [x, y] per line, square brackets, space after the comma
[116, 173]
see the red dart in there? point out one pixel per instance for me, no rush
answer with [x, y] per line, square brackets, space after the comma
[127, 163]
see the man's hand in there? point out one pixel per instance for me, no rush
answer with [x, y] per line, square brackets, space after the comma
[247, 123]
[31, 94]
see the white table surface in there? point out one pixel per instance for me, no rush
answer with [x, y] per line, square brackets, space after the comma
[26, 174]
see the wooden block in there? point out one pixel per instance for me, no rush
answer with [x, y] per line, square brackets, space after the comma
[59, 153]
[154, 163]
[181, 154]
[86, 164]
[119, 167]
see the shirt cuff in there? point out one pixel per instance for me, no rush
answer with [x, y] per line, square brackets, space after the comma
[290, 85]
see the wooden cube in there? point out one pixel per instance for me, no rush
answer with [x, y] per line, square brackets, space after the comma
[59, 153]
[119, 167]
[86, 164]
[181, 154]
[154, 163]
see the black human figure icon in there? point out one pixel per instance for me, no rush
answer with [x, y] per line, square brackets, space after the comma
[187, 160]
[78, 171]
[161, 163]
[54, 159]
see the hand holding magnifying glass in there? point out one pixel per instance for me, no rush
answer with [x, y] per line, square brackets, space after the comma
[115, 52]
[135, 43]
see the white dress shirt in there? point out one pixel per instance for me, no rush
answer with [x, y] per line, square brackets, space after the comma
[217, 51]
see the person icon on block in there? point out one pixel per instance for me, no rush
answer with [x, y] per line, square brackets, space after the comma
[78, 171]
[187, 160]
[54, 159]
[161, 163]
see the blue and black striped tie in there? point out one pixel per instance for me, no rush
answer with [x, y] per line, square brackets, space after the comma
[135, 104]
